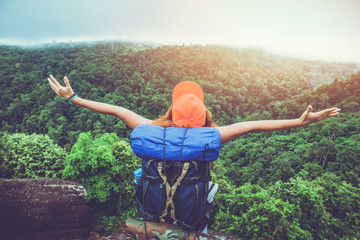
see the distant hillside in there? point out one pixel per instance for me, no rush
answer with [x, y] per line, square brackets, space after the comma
[300, 183]
[343, 93]
[238, 83]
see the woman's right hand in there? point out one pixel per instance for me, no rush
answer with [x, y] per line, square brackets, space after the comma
[65, 92]
[130, 118]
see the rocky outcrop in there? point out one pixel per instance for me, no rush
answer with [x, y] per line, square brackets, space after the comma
[43, 209]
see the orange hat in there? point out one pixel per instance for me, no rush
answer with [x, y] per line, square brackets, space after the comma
[188, 109]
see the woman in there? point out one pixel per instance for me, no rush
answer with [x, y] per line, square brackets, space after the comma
[188, 110]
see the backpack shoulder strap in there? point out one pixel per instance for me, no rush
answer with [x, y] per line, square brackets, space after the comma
[170, 191]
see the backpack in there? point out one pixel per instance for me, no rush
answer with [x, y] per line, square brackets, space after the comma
[174, 181]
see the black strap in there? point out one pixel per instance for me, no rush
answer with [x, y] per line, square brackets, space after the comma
[194, 180]
[182, 143]
[204, 219]
[186, 227]
[150, 217]
[164, 142]
[205, 151]
[152, 179]
[143, 215]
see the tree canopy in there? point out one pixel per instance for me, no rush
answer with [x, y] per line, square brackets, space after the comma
[292, 184]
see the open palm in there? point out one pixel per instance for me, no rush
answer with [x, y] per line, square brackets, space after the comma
[309, 117]
[65, 92]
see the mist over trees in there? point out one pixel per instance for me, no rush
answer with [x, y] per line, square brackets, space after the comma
[292, 184]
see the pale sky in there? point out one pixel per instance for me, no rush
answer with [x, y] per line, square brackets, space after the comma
[311, 29]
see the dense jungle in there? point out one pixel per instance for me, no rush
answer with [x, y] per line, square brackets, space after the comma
[301, 183]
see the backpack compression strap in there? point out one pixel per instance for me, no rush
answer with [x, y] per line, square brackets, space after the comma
[170, 191]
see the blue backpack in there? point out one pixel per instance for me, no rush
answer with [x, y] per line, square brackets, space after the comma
[173, 183]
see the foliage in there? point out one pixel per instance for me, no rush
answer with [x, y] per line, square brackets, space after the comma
[104, 165]
[297, 209]
[342, 202]
[291, 184]
[30, 156]
[141, 78]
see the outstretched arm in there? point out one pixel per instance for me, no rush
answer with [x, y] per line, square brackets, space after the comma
[128, 117]
[236, 130]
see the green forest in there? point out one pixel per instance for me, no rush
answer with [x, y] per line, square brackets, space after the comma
[301, 183]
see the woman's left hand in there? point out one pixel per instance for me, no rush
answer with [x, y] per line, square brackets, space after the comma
[65, 92]
[309, 117]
